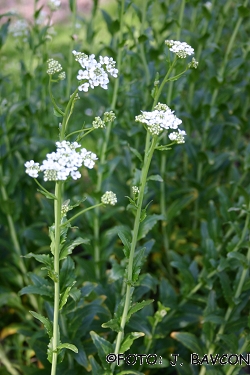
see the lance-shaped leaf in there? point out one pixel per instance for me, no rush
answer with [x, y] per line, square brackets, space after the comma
[147, 224]
[138, 262]
[69, 246]
[103, 347]
[127, 245]
[68, 346]
[65, 295]
[42, 258]
[45, 321]
[138, 306]
[189, 341]
[113, 324]
[129, 339]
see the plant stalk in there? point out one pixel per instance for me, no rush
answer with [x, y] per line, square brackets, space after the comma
[56, 332]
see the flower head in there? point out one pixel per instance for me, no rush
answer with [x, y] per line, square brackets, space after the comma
[135, 190]
[178, 137]
[181, 49]
[109, 198]
[107, 117]
[161, 118]
[63, 163]
[94, 73]
[193, 63]
[54, 67]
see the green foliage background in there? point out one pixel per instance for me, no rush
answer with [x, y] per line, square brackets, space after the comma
[197, 230]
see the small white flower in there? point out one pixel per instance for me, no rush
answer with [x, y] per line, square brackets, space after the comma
[181, 49]
[63, 163]
[95, 73]
[161, 118]
[178, 137]
[109, 198]
[54, 67]
[98, 123]
[32, 168]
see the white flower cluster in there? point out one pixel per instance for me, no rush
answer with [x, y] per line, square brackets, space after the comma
[20, 29]
[94, 73]
[109, 198]
[161, 118]
[107, 117]
[63, 163]
[178, 137]
[181, 49]
[54, 67]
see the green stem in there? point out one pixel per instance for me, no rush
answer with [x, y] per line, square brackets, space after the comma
[56, 331]
[147, 160]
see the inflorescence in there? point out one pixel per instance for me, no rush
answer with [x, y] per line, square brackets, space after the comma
[109, 198]
[181, 49]
[63, 163]
[107, 117]
[162, 118]
[94, 73]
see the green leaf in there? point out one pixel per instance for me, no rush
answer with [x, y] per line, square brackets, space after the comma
[138, 306]
[87, 288]
[47, 194]
[103, 347]
[148, 224]
[42, 258]
[113, 324]
[138, 262]
[226, 288]
[123, 237]
[244, 11]
[95, 367]
[45, 321]
[67, 346]
[32, 289]
[64, 297]
[52, 237]
[135, 152]
[189, 341]
[180, 203]
[129, 339]
[163, 148]
[240, 257]
[56, 112]
[69, 247]
[155, 177]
